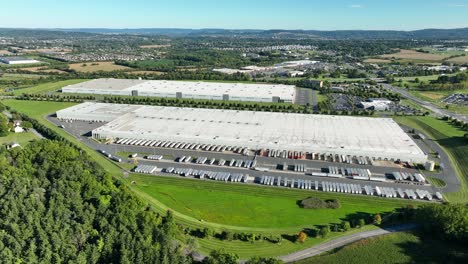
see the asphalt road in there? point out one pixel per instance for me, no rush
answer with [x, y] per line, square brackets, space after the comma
[434, 108]
[303, 96]
[339, 242]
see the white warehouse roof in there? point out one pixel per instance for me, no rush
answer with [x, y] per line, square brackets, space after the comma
[195, 90]
[359, 136]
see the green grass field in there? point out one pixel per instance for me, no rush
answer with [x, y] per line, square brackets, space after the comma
[436, 182]
[47, 87]
[452, 140]
[20, 138]
[247, 207]
[403, 247]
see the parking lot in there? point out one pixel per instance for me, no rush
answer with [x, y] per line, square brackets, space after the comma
[254, 165]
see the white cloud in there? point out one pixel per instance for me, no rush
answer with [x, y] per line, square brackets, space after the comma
[356, 6]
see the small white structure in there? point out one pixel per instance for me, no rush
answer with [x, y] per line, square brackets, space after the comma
[13, 145]
[429, 166]
[18, 129]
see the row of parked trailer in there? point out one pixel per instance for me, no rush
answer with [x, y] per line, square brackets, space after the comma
[289, 154]
[213, 175]
[221, 162]
[146, 169]
[108, 155]
[154, 157]
[353, 173]
[400, 176]
[307, 184]
[181, 145]
[399, 193]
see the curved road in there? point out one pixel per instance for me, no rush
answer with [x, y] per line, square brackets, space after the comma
[339, 242]
[432, 107]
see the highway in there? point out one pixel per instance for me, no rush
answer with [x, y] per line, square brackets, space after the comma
[439, 112]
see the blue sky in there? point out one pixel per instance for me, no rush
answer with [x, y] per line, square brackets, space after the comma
[236, 14]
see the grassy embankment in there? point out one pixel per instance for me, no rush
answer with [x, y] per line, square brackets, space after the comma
[452, 140]
[402, 247]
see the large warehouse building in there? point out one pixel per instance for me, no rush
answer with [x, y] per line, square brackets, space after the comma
[14, 60]
[183, 89]
[356, 136]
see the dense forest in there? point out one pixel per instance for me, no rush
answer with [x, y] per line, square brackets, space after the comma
[57, 206]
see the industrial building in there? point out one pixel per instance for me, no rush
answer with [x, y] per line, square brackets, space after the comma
[17, 60]
[378, 138]
[184, 89]
[378, 104]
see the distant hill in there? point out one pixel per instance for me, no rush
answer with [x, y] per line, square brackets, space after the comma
[458, 33]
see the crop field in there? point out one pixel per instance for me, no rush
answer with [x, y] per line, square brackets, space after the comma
[145, 72]
[461, 59]
[414, 55]
[452, 140]
[402, 247]
[254, 207]
[374, 60]
[47, 87]
[42, 70]
[97, 66]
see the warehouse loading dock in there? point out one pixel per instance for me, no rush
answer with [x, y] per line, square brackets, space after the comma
[382, 137]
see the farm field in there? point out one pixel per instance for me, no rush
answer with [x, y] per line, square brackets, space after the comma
[414, 55]
[98, 66]
[47, 87]
[452, 140]
[41, 69]
[374, 60]
[461, 59]
[20, 138]
[402, 247]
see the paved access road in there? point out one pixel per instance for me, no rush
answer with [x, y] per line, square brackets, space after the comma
[434, 108]
[339, 242]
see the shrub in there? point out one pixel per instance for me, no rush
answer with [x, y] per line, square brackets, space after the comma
[301, 237]
[317, 203]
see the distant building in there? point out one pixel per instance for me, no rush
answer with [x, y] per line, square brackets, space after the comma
[17, 60]
[378, 104]
[313, 84]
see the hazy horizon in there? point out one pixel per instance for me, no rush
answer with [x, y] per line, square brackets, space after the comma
[399, 15]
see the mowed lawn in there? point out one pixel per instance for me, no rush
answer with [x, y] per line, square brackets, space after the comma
[403, 247]
[452, 140]
[252, 206]
[48, 87]
[20, 138]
